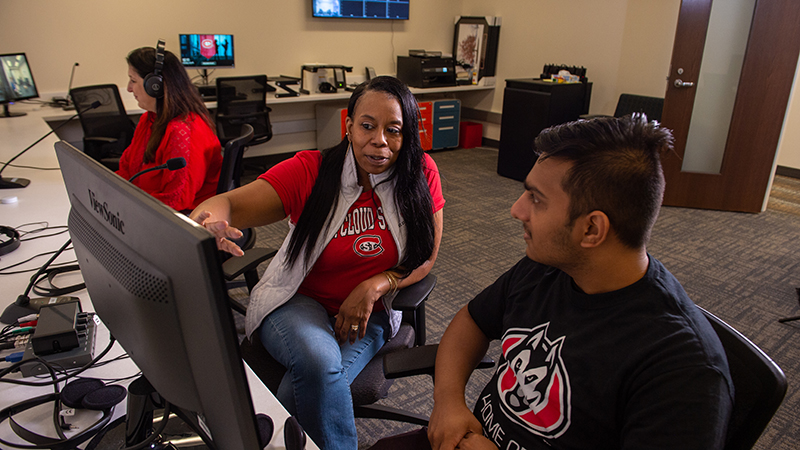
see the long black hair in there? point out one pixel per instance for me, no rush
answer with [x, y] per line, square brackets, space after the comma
[179, 99]
[412, 194]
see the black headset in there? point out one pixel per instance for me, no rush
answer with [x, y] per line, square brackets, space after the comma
[154, 82]
[85, 393]
[13, 240]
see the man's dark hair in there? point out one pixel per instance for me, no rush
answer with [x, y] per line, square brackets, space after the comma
[616, 169]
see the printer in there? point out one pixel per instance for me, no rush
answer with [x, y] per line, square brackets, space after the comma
[426, 71]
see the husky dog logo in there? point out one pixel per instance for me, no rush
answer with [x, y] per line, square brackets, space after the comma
[533, 383]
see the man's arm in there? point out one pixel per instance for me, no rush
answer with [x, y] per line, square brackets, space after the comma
[461, 348]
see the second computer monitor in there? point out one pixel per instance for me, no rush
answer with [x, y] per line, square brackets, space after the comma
[207, 51]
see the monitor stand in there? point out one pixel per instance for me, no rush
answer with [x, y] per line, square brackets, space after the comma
[204, 76]
[7, 113]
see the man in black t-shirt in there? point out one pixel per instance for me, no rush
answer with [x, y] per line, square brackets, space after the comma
[601, 346]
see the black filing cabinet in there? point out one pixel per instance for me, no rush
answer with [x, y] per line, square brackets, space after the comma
[529, 106]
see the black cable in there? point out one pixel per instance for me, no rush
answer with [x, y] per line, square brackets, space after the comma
[61, 264]
[53, 290]
[43, 235]
[44, 227]
[88, 365]
[19, 166]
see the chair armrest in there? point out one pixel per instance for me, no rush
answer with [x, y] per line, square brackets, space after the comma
[409, 298]
[409, 362]
[235, 266]
[100, 139]
[418, 361]
[242, 116]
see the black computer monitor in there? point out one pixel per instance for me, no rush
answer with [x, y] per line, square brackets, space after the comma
[206, 51]
[361, 9]
[16, 81]
[155, 280]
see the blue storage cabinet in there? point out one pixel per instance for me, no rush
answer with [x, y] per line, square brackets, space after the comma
[446, 118]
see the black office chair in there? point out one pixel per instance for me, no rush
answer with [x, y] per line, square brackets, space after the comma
[107, 130]
[229, 179]
[759, 386]
[631, 103]
[371, 385]
[243, 100]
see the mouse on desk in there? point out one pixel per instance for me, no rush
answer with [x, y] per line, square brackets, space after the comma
[327, 88]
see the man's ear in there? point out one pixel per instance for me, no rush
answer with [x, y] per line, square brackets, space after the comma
[596, 228]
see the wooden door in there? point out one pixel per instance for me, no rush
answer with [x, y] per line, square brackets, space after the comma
[765, 80]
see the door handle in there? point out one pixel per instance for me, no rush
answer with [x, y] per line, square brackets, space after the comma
[681, 84]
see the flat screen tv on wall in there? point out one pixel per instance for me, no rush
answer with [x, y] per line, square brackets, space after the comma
[360, 9]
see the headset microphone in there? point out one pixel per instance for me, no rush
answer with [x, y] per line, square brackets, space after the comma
[14, 183]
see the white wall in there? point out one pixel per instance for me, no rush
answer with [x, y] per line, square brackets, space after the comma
[625, 45]
[789, 146]
[271, 36]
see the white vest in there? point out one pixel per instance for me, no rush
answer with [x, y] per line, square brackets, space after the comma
[280, 283]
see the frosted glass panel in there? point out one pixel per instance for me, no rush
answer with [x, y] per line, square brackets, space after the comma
[728, 30]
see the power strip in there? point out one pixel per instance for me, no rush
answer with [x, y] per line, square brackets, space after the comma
[77, 357]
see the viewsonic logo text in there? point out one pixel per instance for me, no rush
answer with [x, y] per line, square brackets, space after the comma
[101, 208]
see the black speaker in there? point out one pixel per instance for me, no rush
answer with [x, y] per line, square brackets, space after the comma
[154, 82]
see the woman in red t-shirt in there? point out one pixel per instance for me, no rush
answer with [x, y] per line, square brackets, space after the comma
[365, 219]
[176, 124]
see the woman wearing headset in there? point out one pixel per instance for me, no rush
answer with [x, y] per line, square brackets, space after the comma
[176, 123]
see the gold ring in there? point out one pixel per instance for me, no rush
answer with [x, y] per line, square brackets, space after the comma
[354, 327]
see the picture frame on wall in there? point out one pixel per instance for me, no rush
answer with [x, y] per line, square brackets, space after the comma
[469, 40]
[475, 47]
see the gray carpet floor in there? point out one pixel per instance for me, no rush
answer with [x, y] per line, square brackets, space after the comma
[744, 268]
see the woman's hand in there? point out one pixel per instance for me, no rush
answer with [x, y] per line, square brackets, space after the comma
[454, 426]
[222, 231]
[351, 322]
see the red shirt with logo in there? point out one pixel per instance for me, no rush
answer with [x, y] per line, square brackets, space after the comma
[362, 246]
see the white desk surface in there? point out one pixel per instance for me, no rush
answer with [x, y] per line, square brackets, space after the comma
[45, 199]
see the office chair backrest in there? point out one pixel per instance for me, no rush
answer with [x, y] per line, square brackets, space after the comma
[243, 100]
[231, 171]
[759, 385]
[109, 119]
[630, 103]
[107, 129]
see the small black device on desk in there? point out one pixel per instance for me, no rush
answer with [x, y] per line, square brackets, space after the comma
[283, 82]
[425, 72]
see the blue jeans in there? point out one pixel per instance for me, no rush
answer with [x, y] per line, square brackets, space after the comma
[316, 386]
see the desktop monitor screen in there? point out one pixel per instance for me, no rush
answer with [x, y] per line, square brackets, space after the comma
[361, 9]
[155, 280]
[206, 51]
[16, 80]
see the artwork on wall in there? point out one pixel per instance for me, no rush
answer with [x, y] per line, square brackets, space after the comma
[475, 48]
[469, 38]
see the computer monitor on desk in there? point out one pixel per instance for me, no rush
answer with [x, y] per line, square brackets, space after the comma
[16, 82]
[206, 51]
[155, 280]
